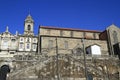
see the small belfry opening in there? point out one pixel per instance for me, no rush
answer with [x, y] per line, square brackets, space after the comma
[29, 27]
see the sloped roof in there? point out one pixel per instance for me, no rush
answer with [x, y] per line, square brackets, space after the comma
[69, 29]
[113, 26]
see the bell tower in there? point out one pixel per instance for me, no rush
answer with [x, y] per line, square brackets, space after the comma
[28, 26]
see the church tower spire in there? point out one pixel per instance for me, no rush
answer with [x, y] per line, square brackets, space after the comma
[29, 25]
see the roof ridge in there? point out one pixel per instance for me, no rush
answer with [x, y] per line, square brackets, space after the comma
[54, 27]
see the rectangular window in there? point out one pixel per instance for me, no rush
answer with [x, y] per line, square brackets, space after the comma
[50, 45]
[5, 44]
[34, 46]
[66, 44]
[21, 39]
[28, 39]
[21, 46]
[28, 46]
[12, 52]
[34, 40]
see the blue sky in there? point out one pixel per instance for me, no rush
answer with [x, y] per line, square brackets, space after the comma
[81, 14]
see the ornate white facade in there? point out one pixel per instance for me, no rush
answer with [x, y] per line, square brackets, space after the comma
[26, 43]
[8, 43]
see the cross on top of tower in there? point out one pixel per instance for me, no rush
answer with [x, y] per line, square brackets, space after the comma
[7, 29]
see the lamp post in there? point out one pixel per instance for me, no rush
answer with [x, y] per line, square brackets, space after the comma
[57, 68]
[84, 54]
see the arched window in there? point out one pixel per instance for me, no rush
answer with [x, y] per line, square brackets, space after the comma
[78, 51]
[115, 38]
[29, 27]
[93, 49]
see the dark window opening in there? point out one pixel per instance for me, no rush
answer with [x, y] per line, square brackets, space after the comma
[115, 37]
[3, 72]
[13, 40]
[11, 52]
[28, 40]
[117, 49]
[29, 27]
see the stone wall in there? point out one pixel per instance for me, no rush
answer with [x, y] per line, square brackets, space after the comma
[66, 45]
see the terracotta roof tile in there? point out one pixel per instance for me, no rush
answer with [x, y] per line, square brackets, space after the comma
[71, 29]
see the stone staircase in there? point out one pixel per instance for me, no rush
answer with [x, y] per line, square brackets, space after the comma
[74, 61]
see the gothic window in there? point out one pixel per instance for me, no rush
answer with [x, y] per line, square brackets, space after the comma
[115, 37]
[29, 27]
[78, 51]
[66, 44]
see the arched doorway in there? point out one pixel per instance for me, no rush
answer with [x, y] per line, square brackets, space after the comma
[4, 69]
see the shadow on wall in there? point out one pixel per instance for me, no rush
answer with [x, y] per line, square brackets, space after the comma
[3, 72]
[117, 49]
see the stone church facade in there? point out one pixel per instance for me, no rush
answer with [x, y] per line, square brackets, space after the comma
[71, 40]
[96, 53]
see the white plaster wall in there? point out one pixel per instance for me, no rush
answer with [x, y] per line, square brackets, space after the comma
[95, 50]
